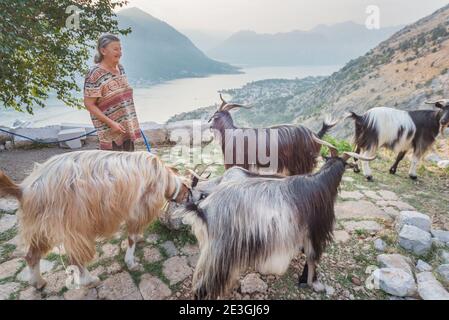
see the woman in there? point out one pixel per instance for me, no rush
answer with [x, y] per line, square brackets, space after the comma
[109, 98]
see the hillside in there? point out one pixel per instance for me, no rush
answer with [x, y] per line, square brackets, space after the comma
[154, 51]
[334, 44]
[403, 72]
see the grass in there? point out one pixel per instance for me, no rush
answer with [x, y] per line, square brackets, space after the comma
[8, 235]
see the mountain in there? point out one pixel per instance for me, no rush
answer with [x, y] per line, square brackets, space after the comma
[402, 72]
[206, 40]
[154, 51]
[335, 44]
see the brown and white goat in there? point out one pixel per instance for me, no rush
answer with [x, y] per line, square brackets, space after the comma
[399, 131]
[75, 198]
[262, 223]
[297, 152]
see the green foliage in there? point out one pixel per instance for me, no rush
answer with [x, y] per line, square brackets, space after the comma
[41, 52]
[341, 145]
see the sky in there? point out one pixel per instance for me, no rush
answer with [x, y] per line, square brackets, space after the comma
[271, 16]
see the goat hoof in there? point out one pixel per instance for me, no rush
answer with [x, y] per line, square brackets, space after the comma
[39, 284]
[413, 177]
[356, 170]
[392, 171]
[369, 178]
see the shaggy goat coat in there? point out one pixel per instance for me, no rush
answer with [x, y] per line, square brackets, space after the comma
[262, 223]
[74, 198]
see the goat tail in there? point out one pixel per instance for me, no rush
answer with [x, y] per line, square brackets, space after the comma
[9, 187]
[327, 125]
[353, 116]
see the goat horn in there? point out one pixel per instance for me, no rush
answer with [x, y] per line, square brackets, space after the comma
[231, 106]
[358, 156]
[196, 175]
[221, 97]
[324, 143]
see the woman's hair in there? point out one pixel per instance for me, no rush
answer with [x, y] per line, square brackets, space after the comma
[102, 42]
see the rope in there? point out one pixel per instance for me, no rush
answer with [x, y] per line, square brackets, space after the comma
[147, 144]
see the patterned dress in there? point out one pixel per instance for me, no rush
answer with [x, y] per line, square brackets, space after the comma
[115, 99]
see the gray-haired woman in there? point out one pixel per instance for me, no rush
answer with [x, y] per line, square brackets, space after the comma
[109, 98]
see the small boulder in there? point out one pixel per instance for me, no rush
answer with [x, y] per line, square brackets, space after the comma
[176, 269]
[341, 236]
[443, 164]
[170, 248]
[395, 261]
[414, 218]
[252, 283]
[414, 239]
[380, 245]
[395, 281]
[423, 266]
[153, 288]
[429, 288]
[368, 225]
[441, 235]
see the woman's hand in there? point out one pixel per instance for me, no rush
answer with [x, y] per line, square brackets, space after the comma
[117, 127]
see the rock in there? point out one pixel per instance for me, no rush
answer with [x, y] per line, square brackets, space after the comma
[395, 281]
[7, 289]
[153, 238]
[30, 294]
[380, 245]
[169, 220]
[414, 239]
[153, 288]
[359, 210]
[190, 249]
[341, 236]
[441, 235]
[119, 287]
[114, 268]
[443, 164]
[444, 255]
[348, 179]
[252, 283]
[98, 271]
[9, 268]
[370, 269]
[395, 261]
[433, 157]
[176, 269]
[429, 288]
[170, 248]
[423, 266]
[81, 294]
[318, 287]
[391, 212]
[372, 195]
[356, 281]
[443, 271]
[370, 226]
[14, 241]
[388, 195]
[351, 195]
[415, 219]
[9, 205]
[110, 250]
[7, 221]
[193, 260]
[56, 281]
[151, 254]
[329, 291]
[398, 204]
[45, 266]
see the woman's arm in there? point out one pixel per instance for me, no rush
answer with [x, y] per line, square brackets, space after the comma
[91, 105]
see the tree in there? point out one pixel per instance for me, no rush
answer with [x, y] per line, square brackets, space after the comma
[44, 45]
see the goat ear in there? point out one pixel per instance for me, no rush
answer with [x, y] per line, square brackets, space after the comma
[195, 181]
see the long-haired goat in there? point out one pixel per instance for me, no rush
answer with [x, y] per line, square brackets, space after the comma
[74, 198]
[399, 131]
[297, 151]
[262, 222]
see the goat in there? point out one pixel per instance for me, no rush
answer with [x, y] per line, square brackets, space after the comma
[262, 222]
[74, 198]
[399, 131]
[297, 152]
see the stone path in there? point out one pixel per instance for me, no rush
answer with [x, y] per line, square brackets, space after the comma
[383, 249]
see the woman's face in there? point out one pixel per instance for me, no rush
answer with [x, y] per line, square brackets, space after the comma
[112, 52]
